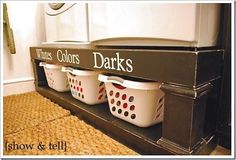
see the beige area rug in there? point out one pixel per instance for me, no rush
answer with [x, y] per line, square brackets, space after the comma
[33, 125]
[27, 110]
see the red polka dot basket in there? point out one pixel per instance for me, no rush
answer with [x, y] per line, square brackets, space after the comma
[84, 85]
[138, 102]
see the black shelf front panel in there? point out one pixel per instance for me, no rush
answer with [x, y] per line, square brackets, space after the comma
[181, 67]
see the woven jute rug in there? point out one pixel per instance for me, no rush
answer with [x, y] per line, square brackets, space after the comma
[27, 110]
[60, 134]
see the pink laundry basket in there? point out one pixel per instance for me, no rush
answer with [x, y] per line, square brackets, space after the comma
[140, 103]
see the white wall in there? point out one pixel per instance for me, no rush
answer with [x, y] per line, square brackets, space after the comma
[27, 22]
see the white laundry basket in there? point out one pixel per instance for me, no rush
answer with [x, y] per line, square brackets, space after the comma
[56, 79]
[85, 86]
[140, 103]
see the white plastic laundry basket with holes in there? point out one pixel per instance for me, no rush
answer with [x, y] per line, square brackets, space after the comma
[55, 77]
[85, 86]
[140, 103]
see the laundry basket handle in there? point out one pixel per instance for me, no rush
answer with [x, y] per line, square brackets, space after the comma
[42, 64]
[111, 79]
[115, 79]
[67, 69]
[49, 66]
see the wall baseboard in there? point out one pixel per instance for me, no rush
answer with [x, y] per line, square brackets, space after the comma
[18, 80]
[17, 86]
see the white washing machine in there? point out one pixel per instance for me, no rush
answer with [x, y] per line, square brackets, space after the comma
[154, 24]
[66, 22]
